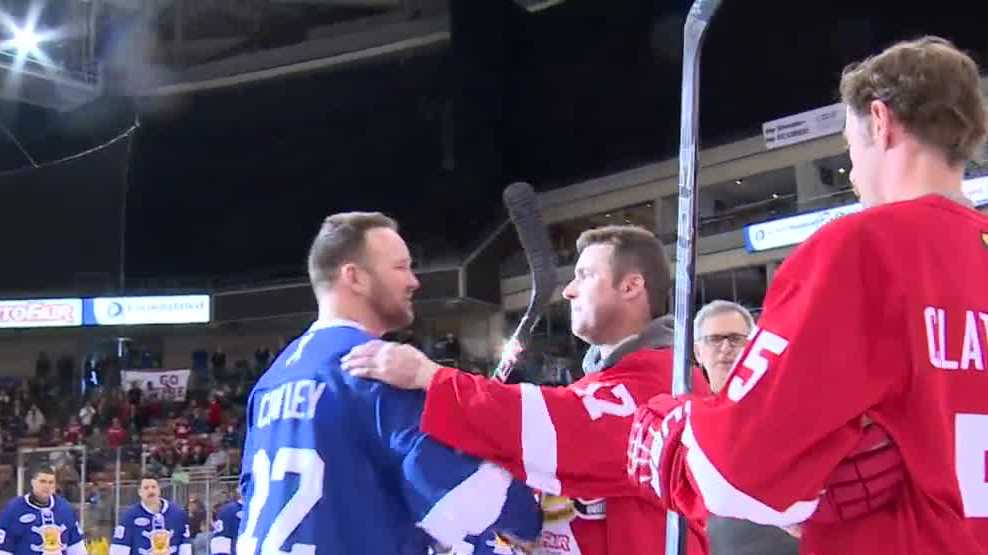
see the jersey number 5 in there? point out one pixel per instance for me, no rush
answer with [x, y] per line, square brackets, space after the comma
[307, 464]
[756, 363]
[971, 458]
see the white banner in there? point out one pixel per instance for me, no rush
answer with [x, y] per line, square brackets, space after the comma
[46, 313]
[162, 385]
[796, 229]
[172, 309]
[804, 127]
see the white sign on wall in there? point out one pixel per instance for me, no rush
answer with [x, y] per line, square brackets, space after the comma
[804, 127]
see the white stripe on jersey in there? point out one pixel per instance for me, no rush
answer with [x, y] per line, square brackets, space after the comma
[538, 441]
[469, 508]
[723, 499]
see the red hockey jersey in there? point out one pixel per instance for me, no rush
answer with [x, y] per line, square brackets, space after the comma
[882, 313]
[569, 441]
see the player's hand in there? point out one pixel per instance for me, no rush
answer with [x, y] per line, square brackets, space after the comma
[402, 366]
[655, 432]
[869, 478]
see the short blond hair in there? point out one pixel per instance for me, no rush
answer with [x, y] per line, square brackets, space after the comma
[342, 239]
[635, 250]
[933, 89]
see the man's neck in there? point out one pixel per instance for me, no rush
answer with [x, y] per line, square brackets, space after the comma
[606, 350]
[628, 328]
[925, 174]
[39, 502]
[332, 307]
[154, 506]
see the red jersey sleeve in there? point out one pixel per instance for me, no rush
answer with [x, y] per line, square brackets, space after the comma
[568, 441]
[790, 411]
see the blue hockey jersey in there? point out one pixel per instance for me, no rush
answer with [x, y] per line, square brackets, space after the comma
[29, 529]
[337, 464]
[143, 532]
[225, 527]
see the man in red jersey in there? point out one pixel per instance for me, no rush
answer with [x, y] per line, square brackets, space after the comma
[883, 315]
[569, 442]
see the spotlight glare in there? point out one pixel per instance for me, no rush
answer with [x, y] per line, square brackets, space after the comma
[26, 40]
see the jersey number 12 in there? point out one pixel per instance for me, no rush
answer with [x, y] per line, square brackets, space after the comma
[307, 464]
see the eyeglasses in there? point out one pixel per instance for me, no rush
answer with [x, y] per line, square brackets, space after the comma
[735, 340]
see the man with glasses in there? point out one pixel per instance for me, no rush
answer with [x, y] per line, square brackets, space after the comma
[720, 332]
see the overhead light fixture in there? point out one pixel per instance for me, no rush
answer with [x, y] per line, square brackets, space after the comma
[24, 39]
[738, 181]
[775, 195]
[841, 170]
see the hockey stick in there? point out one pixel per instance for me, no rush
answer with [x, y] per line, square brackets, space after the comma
[523, 208]
[699, 17]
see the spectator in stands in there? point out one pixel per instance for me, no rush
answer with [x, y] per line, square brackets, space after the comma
[182, 429]
[215, 414]
[197, 515]
[73, 432]
[134, 395]
[96, 440]
[262, 357]
[87, 415]
[219, 364]
[116, 436]
[199, 423]
[720, 331]
[34, 421]
[230, 437]
[218, 459]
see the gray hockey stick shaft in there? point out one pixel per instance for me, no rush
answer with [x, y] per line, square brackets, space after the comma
[699, 17]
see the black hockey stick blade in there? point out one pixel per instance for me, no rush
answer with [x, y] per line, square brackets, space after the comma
[523, 209]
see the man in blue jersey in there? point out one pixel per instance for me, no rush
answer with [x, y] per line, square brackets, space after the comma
[337, 464]
[40, 522]
[153, 526]
[225, 527]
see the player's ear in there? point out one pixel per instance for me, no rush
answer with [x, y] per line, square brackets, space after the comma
[351, 277]
[880, 123]
[632, 285]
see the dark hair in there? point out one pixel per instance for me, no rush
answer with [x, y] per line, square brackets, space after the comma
[933, 89]
[42, 469]
[341, 239]
[635, 250]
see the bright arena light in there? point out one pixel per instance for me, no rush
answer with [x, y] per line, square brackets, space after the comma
[25, 40]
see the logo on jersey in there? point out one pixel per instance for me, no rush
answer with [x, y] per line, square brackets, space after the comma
[51, 535]
[500, 546]
[27, 518]
[159, 537]
[556, 508]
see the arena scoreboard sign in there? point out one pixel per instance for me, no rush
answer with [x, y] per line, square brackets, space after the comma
[131, 311]
[793, 230]
[105, 311]
[41, 313]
